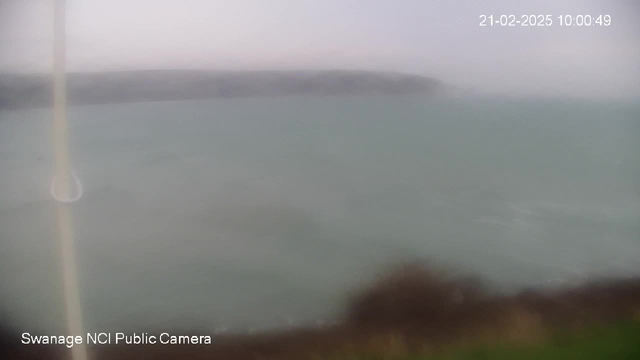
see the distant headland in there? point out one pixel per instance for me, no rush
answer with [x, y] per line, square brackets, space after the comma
[18, 91]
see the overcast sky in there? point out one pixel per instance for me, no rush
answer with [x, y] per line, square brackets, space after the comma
[436, 38]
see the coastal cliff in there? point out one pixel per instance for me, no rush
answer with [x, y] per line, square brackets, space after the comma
[34, 90]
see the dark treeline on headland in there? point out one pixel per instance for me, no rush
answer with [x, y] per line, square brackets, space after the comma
[31, 90]
[410, 310]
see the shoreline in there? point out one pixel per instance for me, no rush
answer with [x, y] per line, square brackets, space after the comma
[412, 305]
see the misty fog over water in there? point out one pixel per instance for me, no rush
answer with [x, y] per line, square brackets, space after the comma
[249, 164]
[260, 212]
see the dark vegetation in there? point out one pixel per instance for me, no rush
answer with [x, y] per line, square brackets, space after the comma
[416, 313]
[31, 90]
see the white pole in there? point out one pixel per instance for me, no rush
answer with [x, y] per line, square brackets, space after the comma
[61, 186]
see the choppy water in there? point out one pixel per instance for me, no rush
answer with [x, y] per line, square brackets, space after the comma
[254, 212]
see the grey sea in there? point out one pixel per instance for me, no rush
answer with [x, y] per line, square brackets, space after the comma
[255, 213]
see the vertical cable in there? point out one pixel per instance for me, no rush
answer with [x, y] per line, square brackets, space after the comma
[62, 185]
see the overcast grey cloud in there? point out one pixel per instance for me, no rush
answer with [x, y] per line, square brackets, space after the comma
[442, 39]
